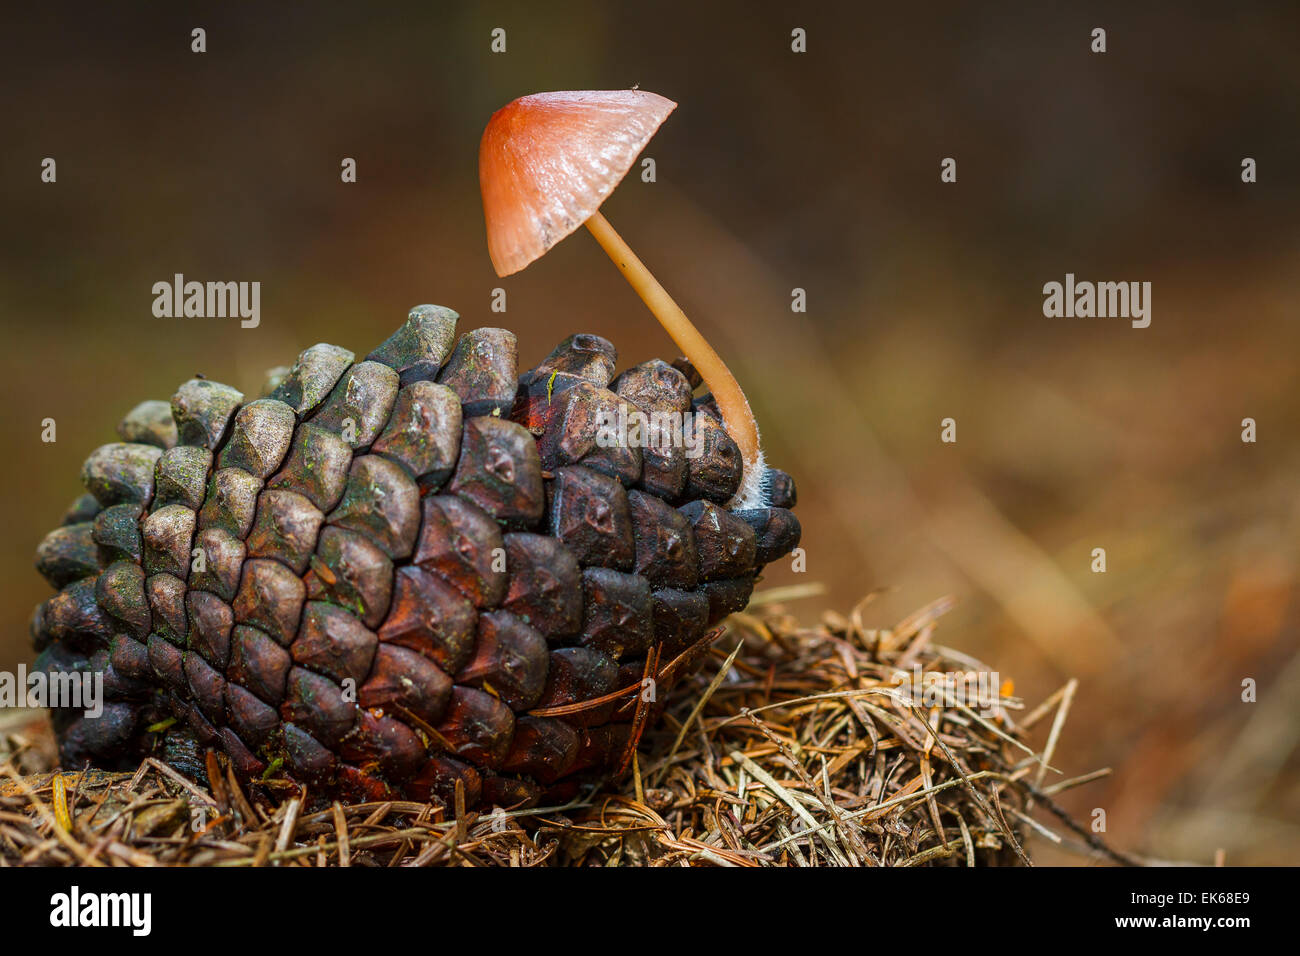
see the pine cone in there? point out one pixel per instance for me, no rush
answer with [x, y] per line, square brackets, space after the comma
[388, 576]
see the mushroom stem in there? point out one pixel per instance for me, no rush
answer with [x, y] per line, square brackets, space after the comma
[736, 415]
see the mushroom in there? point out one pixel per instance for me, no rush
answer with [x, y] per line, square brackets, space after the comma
[546, 163]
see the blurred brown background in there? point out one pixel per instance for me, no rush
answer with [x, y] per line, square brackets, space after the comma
[778, 170]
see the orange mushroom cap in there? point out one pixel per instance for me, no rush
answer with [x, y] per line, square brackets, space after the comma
[548, 161]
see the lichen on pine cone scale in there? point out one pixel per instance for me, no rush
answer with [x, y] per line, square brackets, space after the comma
[391, 575]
